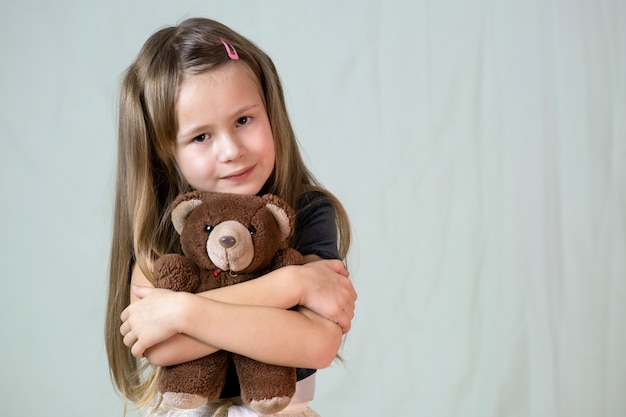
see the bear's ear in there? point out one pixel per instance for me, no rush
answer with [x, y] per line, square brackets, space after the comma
[283, 214]
[182, 211]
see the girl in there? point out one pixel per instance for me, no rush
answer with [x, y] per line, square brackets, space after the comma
[202, 108]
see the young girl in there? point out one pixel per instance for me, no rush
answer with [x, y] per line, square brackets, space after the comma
[202, 108]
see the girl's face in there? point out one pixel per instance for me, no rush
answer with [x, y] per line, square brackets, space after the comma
[224, 141]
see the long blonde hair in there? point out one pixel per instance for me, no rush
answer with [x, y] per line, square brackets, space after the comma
[148, 179]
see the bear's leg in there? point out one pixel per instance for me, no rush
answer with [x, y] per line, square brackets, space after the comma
[266, 388]
[193, 384]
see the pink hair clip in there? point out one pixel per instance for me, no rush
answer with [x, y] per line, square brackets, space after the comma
[230, 50]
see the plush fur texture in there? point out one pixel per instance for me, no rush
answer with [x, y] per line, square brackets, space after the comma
[227, 239]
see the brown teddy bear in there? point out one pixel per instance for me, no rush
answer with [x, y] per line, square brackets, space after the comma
[227, 239]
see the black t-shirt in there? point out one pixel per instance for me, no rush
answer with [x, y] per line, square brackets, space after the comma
[315, 234]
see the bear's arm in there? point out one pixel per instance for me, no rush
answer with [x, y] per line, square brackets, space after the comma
[177, 273]
[286, 257]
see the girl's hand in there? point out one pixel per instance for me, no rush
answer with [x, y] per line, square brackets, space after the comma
[151, 319]
[329, 292]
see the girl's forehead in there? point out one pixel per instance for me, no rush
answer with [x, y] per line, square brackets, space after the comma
[224, 84]
[220, 74]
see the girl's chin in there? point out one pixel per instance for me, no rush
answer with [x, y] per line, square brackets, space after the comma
[242, 189]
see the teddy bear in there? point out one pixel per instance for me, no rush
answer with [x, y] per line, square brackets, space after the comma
[227, 239]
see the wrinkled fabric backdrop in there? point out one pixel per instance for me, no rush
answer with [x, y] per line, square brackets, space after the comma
[479, 147]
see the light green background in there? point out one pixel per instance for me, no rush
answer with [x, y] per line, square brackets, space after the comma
[479, 147]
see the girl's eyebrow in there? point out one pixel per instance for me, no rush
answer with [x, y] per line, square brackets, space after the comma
[202, 127]
[244, 109]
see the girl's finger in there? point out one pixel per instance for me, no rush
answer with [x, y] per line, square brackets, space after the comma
[124, 315]
[137, 350]
[140, 291]
[130, 339]
[338, 266]
[124, 329]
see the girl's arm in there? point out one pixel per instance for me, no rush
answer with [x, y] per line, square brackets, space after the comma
[322, 287]
[248, 318]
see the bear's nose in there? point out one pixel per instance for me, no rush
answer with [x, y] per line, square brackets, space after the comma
[227, 241]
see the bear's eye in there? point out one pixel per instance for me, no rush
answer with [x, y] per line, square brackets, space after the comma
[252, 230]
[209, 228]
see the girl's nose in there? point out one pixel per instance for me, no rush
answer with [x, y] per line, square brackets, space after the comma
[229, 147]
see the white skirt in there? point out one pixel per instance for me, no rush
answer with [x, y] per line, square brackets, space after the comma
[227, 409]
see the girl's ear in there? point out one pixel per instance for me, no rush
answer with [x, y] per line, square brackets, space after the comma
[283, 214]
[181, 212]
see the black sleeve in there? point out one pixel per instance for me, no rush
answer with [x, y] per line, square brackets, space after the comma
[315, 230]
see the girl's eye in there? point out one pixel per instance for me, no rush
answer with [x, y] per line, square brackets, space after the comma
[201, 138]
[243, 120]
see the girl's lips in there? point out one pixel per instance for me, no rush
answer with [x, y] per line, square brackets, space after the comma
[239, 174]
